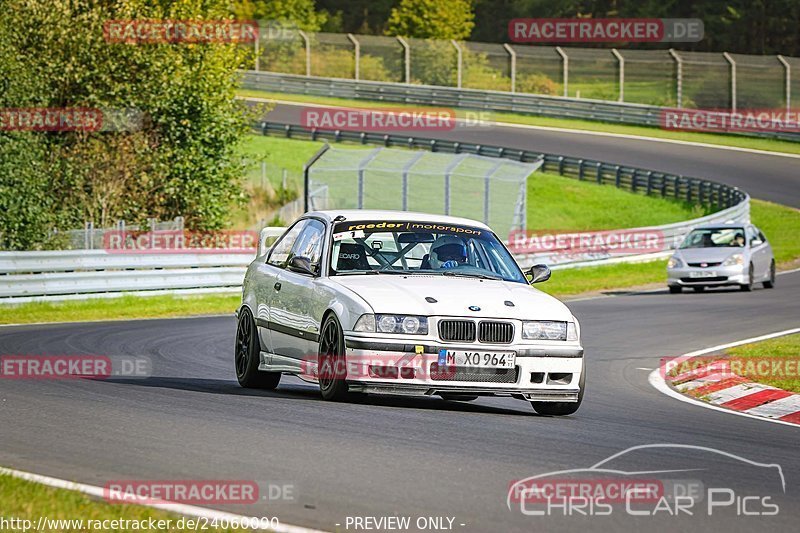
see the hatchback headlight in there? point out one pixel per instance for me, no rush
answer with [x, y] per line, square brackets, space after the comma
[541, 330]
[735, 259]
[674, 262]
[406, 324]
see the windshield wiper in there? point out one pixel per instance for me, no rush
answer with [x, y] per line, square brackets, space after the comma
[466, 275]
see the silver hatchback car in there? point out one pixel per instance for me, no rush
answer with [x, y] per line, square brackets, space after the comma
[718, 255]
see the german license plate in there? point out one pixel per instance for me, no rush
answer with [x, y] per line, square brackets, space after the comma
[476, 359]
[702, 274]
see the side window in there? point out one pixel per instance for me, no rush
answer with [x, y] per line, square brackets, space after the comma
[309, 243]
[280, 252]
[751, 234]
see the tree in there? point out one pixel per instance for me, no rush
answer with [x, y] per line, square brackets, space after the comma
[183, 161]
[296, 13]
[432, 19]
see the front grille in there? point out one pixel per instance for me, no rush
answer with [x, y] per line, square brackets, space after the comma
[457, 330]
[466, 373]
[704, 265]
[496, 332]
[704, 280]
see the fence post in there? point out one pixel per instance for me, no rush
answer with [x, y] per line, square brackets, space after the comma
[257, 49]
[678, 77]
[406, 59]
[487, 178]
[621, 64]
[730, 60]
[357, 52]
[307, 44]
[564, 69]
[307, 175]
[512, 57]
[447, 173]
[406, 170]
[788, 82]
[459, 61]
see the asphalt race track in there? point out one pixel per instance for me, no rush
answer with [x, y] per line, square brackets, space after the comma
[769, 177]
[379, 456]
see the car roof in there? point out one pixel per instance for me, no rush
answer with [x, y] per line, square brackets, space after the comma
[377, 214]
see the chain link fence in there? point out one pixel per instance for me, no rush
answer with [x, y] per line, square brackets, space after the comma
[655, 77]
[465, 185]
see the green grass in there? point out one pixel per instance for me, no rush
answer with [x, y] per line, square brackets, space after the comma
[583, 281]
[739, 141]
[556, 203]
[290, 154]
[787, 347]
[125, 307]
[27, 500]
[781, 225]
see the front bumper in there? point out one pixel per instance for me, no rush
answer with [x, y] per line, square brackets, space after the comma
[716, 276]
[548, 372]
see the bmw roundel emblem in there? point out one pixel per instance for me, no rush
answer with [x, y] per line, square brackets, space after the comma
[474, 308]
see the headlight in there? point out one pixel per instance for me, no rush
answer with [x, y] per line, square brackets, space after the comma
[545, 331]
[407, 324]
[735, 259]
[674, 262]
[365, 323]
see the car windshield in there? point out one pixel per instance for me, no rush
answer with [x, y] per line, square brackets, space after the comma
[420, 247]
[715, 238]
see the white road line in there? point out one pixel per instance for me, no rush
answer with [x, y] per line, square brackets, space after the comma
[657, 381]
[178, 508]
[551, 128]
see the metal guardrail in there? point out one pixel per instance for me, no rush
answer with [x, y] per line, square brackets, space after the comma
[430, 95]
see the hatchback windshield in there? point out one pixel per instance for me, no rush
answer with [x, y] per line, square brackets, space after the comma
[715, 238]
[396, 247]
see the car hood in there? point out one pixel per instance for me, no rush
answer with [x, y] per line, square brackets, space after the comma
[454, 295]
[708, 255]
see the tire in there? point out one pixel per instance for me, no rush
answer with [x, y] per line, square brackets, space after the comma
[769, 284]
[747, 287]
[562, 408]
[698, 289]
[458, 397]
[246, 356]
[332, 370]
[675, 289]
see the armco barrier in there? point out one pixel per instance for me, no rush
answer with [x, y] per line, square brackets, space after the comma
[433, 95]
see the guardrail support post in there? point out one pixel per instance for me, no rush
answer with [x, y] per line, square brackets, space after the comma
[564, 69]
[356, 51]
[787, 82]
[678, 77]
[307, 44]
[257, 51]
[459, 61]
[621, 66]
[512, 58]
[406, 59]
[732, 63]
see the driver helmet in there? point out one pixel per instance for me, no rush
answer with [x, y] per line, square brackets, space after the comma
[447, 248]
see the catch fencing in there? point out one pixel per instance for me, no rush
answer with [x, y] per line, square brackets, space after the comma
[671, 78]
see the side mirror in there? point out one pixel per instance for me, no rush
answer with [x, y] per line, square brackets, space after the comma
[300, 265]
[756, 242]
[538, 273]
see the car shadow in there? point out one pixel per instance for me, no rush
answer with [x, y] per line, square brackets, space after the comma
[686, 291]
[300, 391]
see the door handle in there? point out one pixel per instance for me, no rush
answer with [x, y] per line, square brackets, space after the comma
[277, 285]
